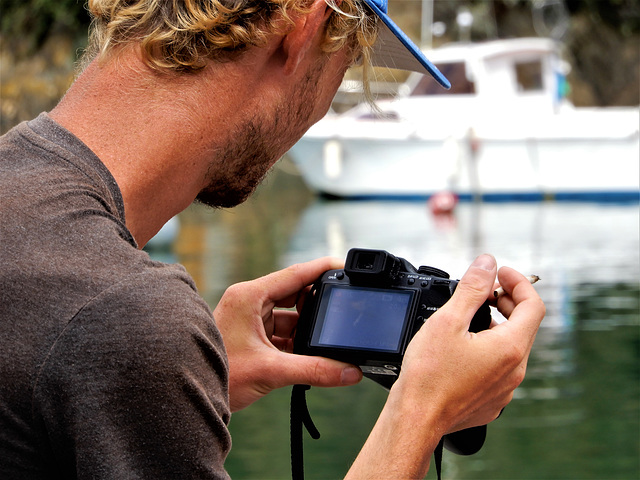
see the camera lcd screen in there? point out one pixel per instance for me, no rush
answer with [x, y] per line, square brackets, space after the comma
[362, 318]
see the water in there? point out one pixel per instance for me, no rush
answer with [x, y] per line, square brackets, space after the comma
[576, 416]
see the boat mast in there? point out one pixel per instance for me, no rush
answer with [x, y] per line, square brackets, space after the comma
[426, 35]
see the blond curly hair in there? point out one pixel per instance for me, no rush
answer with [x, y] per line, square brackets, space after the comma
[182, 35]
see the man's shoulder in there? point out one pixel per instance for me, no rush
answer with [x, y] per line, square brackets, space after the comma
[148, 294]
[151, 322]
[140, 371]
[151, 298]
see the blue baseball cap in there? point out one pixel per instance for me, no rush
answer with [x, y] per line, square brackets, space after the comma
[393, 49]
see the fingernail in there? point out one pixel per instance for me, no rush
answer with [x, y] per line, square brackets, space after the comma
[486, 262]
[350, 375]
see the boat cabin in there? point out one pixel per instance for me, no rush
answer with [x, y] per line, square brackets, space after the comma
[527, 70]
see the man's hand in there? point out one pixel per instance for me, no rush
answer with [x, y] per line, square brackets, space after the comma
[472, 376]
[453, 379]
[259, 337]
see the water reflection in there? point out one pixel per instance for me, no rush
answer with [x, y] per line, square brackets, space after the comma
[576, 416]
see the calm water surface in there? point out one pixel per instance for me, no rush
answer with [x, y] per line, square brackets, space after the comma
[576, 416]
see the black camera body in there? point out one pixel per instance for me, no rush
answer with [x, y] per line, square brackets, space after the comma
[368, 313]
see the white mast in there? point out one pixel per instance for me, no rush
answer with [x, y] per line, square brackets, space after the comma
[427, 21]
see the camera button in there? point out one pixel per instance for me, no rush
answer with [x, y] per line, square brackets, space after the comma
[340, 275]
[424, 284]
[411, 281]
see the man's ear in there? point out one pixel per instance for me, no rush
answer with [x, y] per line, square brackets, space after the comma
[297, 42]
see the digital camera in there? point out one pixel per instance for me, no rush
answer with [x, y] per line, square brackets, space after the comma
[368, 313]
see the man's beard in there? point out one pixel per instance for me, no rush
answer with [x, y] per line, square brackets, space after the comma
[238, 170]
[257, 144]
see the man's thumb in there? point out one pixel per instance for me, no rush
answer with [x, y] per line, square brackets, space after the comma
[319, 371]
[473, 289]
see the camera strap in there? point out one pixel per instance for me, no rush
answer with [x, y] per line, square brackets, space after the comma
[437, 458]
[300, 416]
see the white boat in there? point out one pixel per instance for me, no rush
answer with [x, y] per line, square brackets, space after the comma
[504, 131]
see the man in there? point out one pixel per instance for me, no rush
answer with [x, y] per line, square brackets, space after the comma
[111, 365]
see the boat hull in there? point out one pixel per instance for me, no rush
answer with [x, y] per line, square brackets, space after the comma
[490, 168]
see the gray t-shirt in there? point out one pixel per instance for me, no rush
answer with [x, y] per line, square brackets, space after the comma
[111, 365]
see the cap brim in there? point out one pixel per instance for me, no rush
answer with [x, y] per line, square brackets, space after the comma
[393, 49]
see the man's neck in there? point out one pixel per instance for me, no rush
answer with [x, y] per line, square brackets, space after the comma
[148, 129]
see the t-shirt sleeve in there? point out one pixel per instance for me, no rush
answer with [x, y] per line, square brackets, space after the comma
[137, 385]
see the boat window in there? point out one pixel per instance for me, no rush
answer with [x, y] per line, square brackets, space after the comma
[529, 76]
[457, 75]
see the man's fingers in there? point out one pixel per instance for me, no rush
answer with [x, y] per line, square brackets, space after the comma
[315, 371]
[515, 284]
[472, 291]
[523, 307]
[285, 284]
[285, 322]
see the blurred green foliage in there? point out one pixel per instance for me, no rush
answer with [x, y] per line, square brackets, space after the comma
[601, 39]
[34, 20]
[621, 15]
[27, 24]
